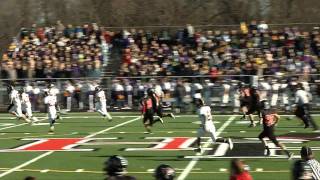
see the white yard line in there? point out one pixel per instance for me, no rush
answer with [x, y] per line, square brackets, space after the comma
[22, 124]
[9, 171]
[195, 160]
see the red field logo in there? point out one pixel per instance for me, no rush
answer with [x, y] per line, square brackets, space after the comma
[53, 144]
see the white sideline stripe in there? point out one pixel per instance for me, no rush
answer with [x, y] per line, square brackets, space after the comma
[195, 160]
[243, 157]
[50, 152]
[21, 124]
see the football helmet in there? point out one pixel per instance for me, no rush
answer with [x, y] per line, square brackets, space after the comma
[164, 172]
[116, 165]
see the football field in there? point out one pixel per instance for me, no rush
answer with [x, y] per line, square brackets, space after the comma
[83, 141]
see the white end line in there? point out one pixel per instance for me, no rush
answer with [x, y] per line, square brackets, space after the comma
[50, 152]
[194, 161]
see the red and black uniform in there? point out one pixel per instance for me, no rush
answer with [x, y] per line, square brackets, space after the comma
[147, 110]
[269, 121]
[241, 176]
[254, 101]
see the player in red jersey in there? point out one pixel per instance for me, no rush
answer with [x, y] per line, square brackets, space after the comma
[239, 170]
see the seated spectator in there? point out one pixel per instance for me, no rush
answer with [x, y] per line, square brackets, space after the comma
[58, 52]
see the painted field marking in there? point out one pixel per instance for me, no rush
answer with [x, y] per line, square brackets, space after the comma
[44, 171]
[195, 160]
[79, 170]
[149, 171]
[242, 157]
[22, 124]
[50, 152]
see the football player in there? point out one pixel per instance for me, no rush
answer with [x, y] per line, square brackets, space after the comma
[116, 168]
[156, 96]
[26, 105]
[270, 119]
[164, 172]
[302, 111]
[15, 104]
[51, 101]
[246, 103]
[101, 103]
[207, 125]
[148, 113]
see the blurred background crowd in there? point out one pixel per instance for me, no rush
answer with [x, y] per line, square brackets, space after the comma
[182, 63]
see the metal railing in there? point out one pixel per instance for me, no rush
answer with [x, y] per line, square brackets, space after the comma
[124, 93]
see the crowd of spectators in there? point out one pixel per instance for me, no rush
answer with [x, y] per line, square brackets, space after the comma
[56, 52]
[249, 50]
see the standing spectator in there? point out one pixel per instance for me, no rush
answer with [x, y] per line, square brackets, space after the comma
[239, 170]
[179, 94]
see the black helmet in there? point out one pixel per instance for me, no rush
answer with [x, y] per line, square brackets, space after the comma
[164, 172]
[150, 91]
[116, 165]
[97, 88]
[9, 88]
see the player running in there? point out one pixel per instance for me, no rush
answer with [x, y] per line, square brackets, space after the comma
[302, 111]
[15, 104]
[156, 96]
[51, 101]
[207, 125]
[148, 113]
[270, 119]
[248, 103]
[26, 105]
[101, 103]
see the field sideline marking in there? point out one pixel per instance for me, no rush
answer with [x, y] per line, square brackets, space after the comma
[258, 170]
[194, 161]
[50, 152]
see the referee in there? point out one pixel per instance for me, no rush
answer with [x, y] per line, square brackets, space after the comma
[302, 111]
[307, 166]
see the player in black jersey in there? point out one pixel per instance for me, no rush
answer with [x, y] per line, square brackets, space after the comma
[270, 119]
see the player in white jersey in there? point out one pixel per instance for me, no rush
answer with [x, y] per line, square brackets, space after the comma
[101, 103]
[207, 125]
[15, 104]
[51, 101]
[26, 105]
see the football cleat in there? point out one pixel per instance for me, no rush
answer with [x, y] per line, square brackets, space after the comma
[290, 155]
[51, 130]
[172, 116]
[252, 125]
[160, 120]
[198, 150]
[267, 151]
